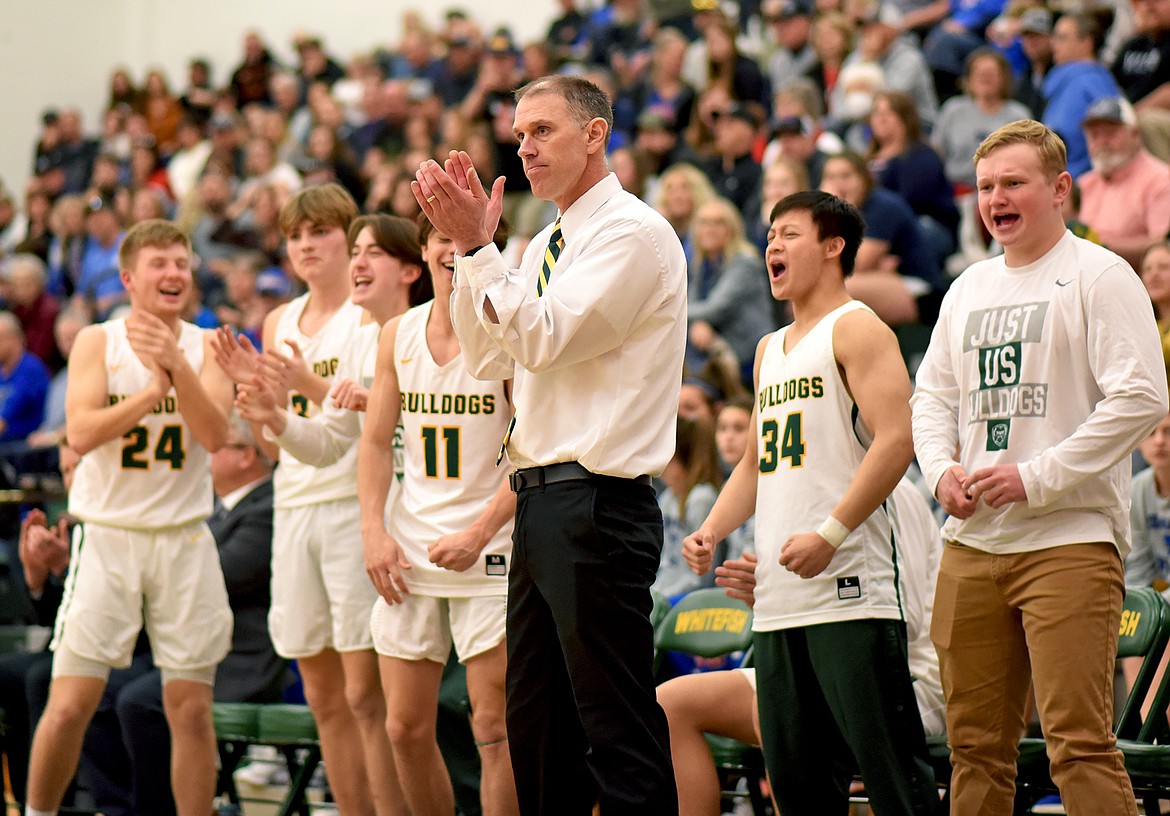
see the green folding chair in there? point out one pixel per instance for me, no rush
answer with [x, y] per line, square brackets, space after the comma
[290, 728]
[707, 623]
[1144, 633]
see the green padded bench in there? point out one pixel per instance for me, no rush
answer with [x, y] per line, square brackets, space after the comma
[289, 728]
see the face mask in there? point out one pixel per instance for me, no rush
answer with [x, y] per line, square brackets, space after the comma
[856, 105]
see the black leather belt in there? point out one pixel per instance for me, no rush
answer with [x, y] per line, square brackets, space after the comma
[542, 475]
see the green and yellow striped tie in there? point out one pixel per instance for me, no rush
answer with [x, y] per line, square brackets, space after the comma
[556, 242]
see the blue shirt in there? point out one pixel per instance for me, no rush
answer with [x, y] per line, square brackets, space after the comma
[98, 265]
[22, 397]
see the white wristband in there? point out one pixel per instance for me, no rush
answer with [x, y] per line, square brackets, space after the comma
[833, 532]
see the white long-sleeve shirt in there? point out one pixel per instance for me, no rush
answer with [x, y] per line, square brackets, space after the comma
[597, 359]
[1055, 366]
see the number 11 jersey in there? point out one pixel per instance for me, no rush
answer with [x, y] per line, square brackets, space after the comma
[452, 428]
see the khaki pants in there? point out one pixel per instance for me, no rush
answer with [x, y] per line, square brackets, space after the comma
[1050, 616]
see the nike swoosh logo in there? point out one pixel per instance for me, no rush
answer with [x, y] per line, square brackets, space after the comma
[1062, 283]
[407, 360]
[114, 366]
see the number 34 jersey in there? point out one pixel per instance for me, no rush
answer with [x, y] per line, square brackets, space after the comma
[452, 428]
[156, 475]
[810, 443]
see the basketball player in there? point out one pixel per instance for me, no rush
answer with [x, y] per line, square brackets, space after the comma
[321, 600]
[145, 404]
[833, 438]
[441, 561]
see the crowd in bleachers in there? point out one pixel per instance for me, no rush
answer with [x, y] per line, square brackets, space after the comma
[731, 107]
[720, 110]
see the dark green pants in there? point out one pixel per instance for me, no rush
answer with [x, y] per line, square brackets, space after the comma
[835, 699]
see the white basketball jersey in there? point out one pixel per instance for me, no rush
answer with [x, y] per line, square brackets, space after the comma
[156, 475]
[452, 428]
[295, 483]
[811, 442]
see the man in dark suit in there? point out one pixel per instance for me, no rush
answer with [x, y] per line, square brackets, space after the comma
[252, 671]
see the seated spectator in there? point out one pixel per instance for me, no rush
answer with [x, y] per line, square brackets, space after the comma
[146, 169]
[1142, 70]
[66, 167]
[1071, 210]
[1125, 198]
[12, 225]
[894, 269]
[1155, 271]
[199, 99]
[955, 37]
[966, 120]
[1076, 81]
[833, 38]
[192, 149]
[145, 203]
[107, 178]
[67, 244]
[663, 90]
[736, 72]
[24, 281]
[43, 553]
[724, 703]
[263, 168]
[251, 672]
[659, 140]
[858, 84]
[883, 42]
[903, 163]
[798, 140]
[162, 111]
[52, 430]
[24, 678]
[733, 425]
[682, 190]
[691, 483]
[727, 290]
[329, 158]
[733, 170]
[788, 51]
[243, 306]
[122, 90]
[38, 235]
[1148, 562]
[24, 383]
[260, 224]
[783, 176]
[699, 400]
[249, 82]
[99, 287]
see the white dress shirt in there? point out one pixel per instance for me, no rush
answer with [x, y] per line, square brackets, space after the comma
[597, 360]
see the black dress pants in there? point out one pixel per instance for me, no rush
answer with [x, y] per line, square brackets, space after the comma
[584, 724]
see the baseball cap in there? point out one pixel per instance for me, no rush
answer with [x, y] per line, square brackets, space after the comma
[272, 282]
[787, 10]
[792, 125]
[738, 111]
[1111, 109]
[886, 14]
[98, 203]
[502, 44]
[655, 119]
[1036, 20]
